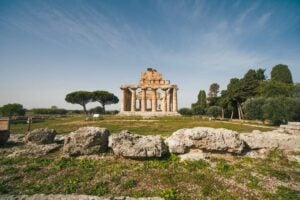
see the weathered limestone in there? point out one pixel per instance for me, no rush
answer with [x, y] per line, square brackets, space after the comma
[175, 99]
[41, 136]
[136, 146]
[206, 139]
[159, 93]
[292, 128]
[86, 140]
[272, 139]
[34, 150]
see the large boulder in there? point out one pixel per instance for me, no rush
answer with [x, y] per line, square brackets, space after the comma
[41, 136]
[4, 135]
[86, 140]
[136, 146]
[272, 139]
[207, 139]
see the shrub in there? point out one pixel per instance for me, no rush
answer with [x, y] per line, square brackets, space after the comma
[281, 110]
[97, 110]
[253, 108]
[274, 111]
[9, 110]
[49, 111]
[185, 111]
[214, 111]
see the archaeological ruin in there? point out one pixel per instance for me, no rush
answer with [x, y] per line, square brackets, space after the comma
[153, 96]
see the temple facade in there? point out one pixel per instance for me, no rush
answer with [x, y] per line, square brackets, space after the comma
[153, 96]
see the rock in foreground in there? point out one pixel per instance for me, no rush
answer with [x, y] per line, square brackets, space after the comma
[136, 146]
[41, 136]
[207, 139]
[86, 140]
[272, 139]
[35, 151]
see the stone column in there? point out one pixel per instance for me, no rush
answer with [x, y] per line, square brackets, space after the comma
[123, 99]
[143, 106]
[133, 99]
[168, 101]
[140, 104]
[154, 101]
[164, 101]
[175, 99]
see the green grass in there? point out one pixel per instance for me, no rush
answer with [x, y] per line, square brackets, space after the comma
[162, 126]
[168, 177]
[238, 178]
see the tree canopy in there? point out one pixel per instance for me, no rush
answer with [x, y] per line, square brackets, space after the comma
[104, 98]
[281, 73]
[79, 97]
[9, 110]
[201, 100]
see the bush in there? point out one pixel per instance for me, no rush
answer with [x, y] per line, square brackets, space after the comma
[198, 110]
[253, 109]
[281, 110]
[49, 111]
[214, 111]
[9, 110]
[185, 111]
[97, 110]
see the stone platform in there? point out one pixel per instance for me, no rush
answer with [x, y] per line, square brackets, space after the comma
[292, 128]
[148, 114]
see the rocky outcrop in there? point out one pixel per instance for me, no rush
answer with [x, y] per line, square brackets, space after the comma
[86, 140]
[207, 139]
[136, 146]
[59, 139]
[34, 150]
[4, 135]
[70, 197]
[272, 139]
[292, 128]
[41, 136]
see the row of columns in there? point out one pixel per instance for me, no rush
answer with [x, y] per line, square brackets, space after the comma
[168, 103]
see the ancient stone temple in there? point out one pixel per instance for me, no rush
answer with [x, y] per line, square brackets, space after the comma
[153, 96]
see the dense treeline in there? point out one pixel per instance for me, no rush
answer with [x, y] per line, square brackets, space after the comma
[253, 97]
[49, 111]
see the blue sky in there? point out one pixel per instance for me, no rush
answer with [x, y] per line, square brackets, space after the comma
[50, 48]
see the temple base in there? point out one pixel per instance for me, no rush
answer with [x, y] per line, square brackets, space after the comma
[148, 114]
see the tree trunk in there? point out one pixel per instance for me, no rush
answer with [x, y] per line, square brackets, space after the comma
[231, 115]
[240, 111]
[103, 106]
[222, 113]
[84, 108]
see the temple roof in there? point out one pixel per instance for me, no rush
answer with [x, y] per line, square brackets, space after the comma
[152, 77]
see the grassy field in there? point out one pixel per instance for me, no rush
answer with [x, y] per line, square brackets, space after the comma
[233, 177]
[241, 178]
[162, 126]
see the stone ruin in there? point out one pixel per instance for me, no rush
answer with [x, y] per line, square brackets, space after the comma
[292, 128]
[153, 96]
